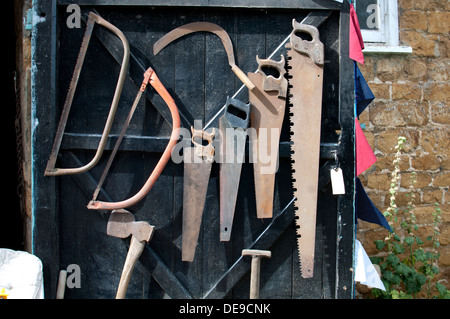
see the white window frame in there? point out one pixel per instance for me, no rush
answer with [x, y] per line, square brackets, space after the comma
[386, 38]
[379, 35]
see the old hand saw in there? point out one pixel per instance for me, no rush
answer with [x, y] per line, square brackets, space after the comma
[197, 168]
[233, 135]
[268, 102]
[305, 69]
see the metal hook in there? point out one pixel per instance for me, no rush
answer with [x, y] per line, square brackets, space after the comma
[336, 159]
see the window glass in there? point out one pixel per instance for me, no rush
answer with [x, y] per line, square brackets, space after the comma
[368, 13]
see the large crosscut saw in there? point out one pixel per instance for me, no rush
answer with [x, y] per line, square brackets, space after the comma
[305, 60]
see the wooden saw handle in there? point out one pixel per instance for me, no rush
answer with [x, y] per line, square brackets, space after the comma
[241, 75]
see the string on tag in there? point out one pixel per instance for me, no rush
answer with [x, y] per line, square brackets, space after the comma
[337, 177]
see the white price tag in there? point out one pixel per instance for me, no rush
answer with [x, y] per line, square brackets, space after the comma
[337, 181]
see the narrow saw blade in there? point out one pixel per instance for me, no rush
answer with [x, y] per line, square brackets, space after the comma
[267, 118]
[51, 163]
[196, 178]
[233, 153]
[233, 135]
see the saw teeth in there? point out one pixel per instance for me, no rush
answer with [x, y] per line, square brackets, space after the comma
[293, 133]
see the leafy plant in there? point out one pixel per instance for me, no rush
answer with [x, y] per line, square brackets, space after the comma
[407, 268]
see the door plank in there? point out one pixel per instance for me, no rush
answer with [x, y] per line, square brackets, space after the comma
[136, 72]
[154, 265]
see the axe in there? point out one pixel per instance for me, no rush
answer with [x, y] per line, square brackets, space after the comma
[122, 224]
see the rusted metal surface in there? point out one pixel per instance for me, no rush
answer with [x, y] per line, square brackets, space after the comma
[268, 103]
[305, 68]
[232, 125]
[122, 224]
[159, 87]
[51, 170]
[197, 168]
[147, 76]
[207, 27]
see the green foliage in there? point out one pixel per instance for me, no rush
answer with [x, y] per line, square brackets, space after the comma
[406, 267]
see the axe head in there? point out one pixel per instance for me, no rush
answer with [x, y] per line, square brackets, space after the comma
[122, 224]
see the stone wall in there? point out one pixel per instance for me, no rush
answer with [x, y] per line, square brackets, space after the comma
[412, 92]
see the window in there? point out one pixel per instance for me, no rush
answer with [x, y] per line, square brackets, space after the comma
[378, 20]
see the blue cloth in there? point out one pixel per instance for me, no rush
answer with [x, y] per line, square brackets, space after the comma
[363, 94]
[366, 210]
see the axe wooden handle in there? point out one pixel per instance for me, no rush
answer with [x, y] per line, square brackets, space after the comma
[241, 75]
[134, 252]
[61, 284]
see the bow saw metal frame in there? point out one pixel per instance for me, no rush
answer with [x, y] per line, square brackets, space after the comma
[151, 78]
[51, 170]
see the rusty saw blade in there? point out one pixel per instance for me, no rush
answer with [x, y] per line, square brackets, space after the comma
[268, 102]
[305, 68]
[207, 27]
[147, 75]
[197, 168]
[150, 77]
[233, 135]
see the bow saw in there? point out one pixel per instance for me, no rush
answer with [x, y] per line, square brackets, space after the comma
[51, 170]
[151, 78]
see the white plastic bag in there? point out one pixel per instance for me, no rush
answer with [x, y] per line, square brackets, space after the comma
[365, 271]
[21, 274]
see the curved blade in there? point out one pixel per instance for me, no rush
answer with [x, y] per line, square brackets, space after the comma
[196, 27]
[207, 27]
